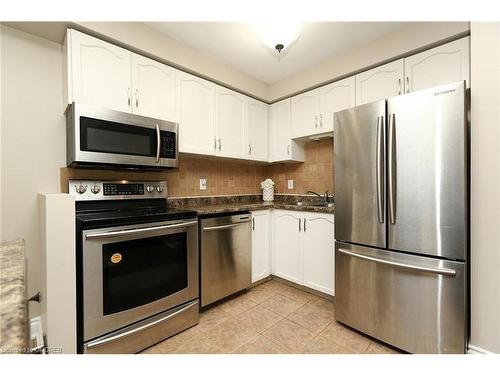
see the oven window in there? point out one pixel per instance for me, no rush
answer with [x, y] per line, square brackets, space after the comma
[140, 271]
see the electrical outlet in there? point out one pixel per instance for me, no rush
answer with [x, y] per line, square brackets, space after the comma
[290, 184]
[203, 183]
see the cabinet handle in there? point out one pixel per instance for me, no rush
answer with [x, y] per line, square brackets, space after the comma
[128, 94]
[305, 224]
[288, 149]
[253, 223]
[220, 144]
[137, 98]
[249, 149]
[316, 121]
[320, 124]
[215, 144]
[300, 225]
[407, 84]
[399, 86]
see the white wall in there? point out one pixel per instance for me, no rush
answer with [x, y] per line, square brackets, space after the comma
[485, 189]
[32, 137]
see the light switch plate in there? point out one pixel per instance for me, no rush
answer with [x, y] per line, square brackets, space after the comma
[290, 184]
[203, 183]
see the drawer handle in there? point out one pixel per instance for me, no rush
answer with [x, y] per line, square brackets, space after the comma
[440, 271]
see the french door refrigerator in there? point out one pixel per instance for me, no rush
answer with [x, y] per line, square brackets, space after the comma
[401, 219]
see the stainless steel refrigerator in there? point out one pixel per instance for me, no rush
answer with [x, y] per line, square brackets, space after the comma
[401, 219]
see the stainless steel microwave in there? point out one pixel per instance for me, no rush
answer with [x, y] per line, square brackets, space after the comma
[102, 137]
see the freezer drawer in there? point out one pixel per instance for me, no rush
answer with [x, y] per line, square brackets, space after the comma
[412, 302]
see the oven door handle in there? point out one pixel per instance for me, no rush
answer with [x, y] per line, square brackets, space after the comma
[115, 233]
[115, 337]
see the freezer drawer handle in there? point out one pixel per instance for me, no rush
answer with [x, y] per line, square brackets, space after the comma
[109, 339]
[207, 229]
[138, 230]
[440, 271]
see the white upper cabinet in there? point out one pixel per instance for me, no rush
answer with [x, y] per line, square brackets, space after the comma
[98, 73]
[260, 244]
[287, 255]
[256, 130]
[282, 147]
[318, 253]
[195, 114]
[379, 83]
[438, 66]
[305, 118]
[153, 88]
[230, 123]
[335, 97]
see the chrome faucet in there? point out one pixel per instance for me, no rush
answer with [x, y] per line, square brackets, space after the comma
[325, 197]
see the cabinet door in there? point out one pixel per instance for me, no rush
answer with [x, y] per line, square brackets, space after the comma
[280, 130]
[335, 97]
[256, 130]
[196, 114]
[287, 258]
[305, 118]
[379, 83]
[318, 253]
[99, 72]
[438, 66]
[230, 123]
[260, 245]
[153, 88]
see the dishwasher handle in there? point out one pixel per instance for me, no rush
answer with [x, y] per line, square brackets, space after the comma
[219, 227]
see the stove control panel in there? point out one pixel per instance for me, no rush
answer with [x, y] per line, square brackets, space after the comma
[124, 189]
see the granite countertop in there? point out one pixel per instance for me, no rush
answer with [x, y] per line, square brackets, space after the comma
[14, 330]
[218, 205]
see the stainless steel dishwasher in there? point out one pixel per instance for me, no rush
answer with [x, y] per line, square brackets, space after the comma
[226, 256]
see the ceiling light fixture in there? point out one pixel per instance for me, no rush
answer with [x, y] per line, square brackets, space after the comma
[278, 36]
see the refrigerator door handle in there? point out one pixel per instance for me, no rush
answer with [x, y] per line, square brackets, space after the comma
[380, 168]
[392, 169]
[439, 271]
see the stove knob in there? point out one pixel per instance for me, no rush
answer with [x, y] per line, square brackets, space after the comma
[159, 188]
[150, 188]
[95, 189]
[80, 189]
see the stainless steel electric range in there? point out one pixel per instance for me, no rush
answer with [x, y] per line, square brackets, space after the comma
[137, 265]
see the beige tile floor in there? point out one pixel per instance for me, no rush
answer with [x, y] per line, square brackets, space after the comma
[270, 318]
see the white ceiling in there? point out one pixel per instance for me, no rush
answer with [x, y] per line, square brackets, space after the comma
[236, 44]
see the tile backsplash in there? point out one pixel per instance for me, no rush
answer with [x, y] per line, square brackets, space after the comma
[229, 177]
[315, 174]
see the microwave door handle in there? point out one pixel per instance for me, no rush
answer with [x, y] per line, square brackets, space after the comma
[158, 141]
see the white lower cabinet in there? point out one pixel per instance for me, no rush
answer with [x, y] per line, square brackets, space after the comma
[260, 244]
[318, 252]
[287, 245]
[303, 246]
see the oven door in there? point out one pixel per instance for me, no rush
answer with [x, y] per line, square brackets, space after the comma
[133, 272]
[98, 135]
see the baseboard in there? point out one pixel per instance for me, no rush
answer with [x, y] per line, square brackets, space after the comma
[477, 350]
[304, 288]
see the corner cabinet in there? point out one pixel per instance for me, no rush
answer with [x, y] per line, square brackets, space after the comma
[303, 248]
[261, 244]
[195, 114]
[282, 147]
[97, 72]
[229, 123]
[379, 83]
[447, 63]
